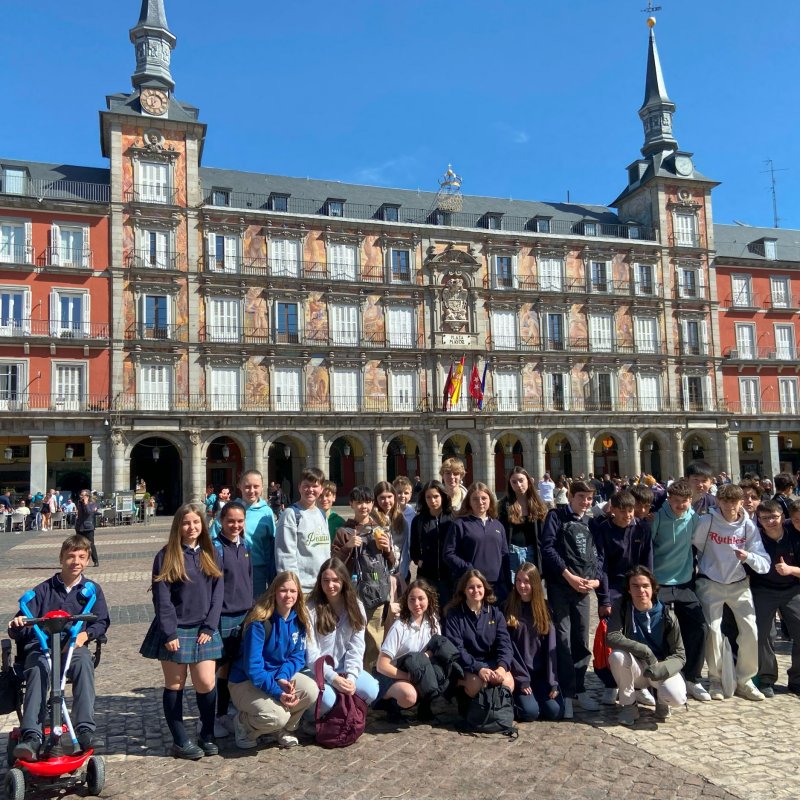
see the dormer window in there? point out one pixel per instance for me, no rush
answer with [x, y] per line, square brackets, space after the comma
[440, 217]
[334, 208]
[221, 197]
[541, 224]
[492, 221]
[390, 213]
[279, 202]
[770, 249]
[14, 180]
[589, 228]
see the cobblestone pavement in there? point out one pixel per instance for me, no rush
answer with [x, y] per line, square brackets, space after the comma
[735, 749]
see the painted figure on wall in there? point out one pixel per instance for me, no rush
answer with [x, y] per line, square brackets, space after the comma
[317, 384]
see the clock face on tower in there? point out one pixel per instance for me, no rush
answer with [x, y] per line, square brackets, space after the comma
[153, 101]
[683, 165]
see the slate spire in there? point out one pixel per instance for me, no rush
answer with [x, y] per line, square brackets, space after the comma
[657, 109]
[154, 43]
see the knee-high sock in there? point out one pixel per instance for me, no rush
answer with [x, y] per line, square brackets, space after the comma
[206, 705]
[223, 697]
[173, 711]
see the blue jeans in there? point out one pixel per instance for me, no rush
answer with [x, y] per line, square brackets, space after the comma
[366, 689]
[517, 556]
[539, 705]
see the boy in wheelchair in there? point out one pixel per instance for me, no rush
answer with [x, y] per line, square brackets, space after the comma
[61, 592]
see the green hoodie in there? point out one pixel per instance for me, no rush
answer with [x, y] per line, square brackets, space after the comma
[673, 561]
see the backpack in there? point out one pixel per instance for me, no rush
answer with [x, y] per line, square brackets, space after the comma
[346, 721]
[575, 545]
[373, 584]
[492, 711]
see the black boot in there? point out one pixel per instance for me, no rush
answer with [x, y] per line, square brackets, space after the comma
[424, 710]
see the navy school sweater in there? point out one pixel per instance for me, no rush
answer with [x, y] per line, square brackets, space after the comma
[618, 550]
[481, 639]
[237, 570]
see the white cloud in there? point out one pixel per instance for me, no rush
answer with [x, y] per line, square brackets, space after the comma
[512, 134]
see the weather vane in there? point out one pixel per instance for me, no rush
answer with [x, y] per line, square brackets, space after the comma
[651, 9]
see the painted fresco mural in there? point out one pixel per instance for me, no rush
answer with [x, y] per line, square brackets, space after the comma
[316, 320]
[373, 318]
[375, 386]
[257, 383]
[627, 387]
[317, 383]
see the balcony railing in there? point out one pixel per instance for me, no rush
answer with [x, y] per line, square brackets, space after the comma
[16, 253]
[425, 216]
[57, 190]
[151, 193]
[68, 257]
[690, 291]
[760, 353]
[691, 349]
[335, 338]
[575, 344]
[685, 240]
[156, 332]
[60, 403]
[160, 259]
[59, 330]
[744, 302]
[338, 404]
[789, 304]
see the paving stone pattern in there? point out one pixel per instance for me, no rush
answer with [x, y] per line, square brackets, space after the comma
[725, 750]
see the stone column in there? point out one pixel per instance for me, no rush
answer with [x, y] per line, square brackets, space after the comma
[677, 454]
[378, 464]
[433, 457]
[536, 468]
[98, 463]
[39, 464]
[770, 454]
[257, 446]
[118, 481]
[486, 461]
[634, 459]
[318, 453]
[587, 456]
[735, 472]
[724, 450]
[197, 469]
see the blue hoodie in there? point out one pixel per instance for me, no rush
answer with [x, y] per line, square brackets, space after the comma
[259, 533]
[648, 628]
[673, 560]
[265, 660]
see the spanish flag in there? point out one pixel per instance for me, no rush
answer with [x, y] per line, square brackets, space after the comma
[458, 379]
[448, 388]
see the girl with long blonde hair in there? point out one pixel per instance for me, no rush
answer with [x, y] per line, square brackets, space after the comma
[533, 638]
[184, 636]
[265, 681]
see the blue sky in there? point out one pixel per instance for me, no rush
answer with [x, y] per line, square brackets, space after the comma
[527, 99]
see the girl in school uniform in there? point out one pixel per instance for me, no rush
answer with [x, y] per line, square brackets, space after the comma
[521, 512]
[338, 621]
[428, 534]
[265, 681]
[477, 541]
[237, 568]
[418, 622]
[533, 637]
[478, 630]
[187, 595]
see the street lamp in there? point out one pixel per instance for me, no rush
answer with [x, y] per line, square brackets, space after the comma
[507, 448]
[651, 445]
[748, 444]
[559, 447]
[8, 453]
[787, 443]
[287, 452]
[156, 453]
[402, 450]
[69, 452]
[226, 451]
[346, 449]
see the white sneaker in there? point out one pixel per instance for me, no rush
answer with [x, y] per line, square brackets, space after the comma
[749, 691]
[569, 712]
[286, 740]
[243, 740]
[587, 702]
[644, 698]
[609, 697]
[697, 691]
[223, 726]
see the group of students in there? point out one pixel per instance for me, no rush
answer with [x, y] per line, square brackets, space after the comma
[249, 606]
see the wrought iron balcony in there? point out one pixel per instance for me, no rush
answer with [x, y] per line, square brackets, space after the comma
[149, 259]
[16, 253]
[156, 332]
[760, 353]
[56, 329]
[61, 256]
[54, 402]
[56, 190]
[152, 194]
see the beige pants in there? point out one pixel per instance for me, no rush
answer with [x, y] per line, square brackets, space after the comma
[628, 672]
[261, 713]
[373, 638]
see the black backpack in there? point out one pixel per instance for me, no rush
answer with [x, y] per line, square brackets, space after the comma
[492, 711]
[372, 575]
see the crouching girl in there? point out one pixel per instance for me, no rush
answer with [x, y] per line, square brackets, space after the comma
[646, 647]
[533, 637]
[266, 682]
[337, 623]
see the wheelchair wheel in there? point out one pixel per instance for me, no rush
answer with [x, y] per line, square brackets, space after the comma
[15, 784]
[95, 775]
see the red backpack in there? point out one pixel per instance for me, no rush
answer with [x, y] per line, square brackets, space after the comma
[346, 721]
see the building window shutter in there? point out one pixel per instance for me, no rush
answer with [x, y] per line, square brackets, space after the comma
[86, 311]
[403, 391]
[55, 244]
[231, 254]
[28, 243]
[55, 313]
[685, 388]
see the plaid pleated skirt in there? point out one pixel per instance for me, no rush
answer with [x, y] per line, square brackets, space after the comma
[189, 651]
[230, 631]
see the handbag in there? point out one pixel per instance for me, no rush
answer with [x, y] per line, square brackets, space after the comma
[600, 651]
[346, 721]
[492, 711]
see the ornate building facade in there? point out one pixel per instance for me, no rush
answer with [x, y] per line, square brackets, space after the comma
[259, 321]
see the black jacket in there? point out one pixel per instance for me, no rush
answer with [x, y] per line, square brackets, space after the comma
[428, 535]
[431, 676]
